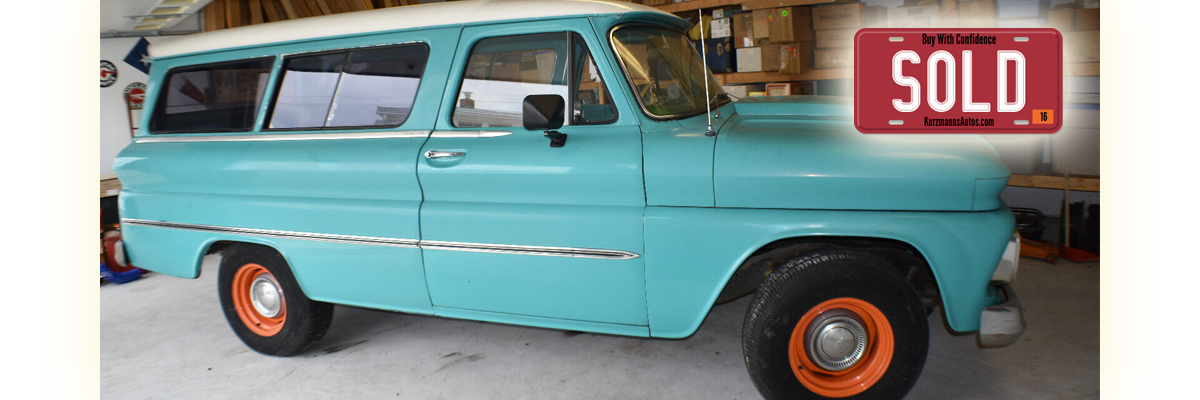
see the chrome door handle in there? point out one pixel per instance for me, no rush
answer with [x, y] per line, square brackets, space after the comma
[440, 154]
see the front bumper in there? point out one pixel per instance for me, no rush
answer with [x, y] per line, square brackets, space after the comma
[1003, 323]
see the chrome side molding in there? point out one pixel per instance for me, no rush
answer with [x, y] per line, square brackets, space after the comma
[576, 252]
[469, 134]
[321, 237]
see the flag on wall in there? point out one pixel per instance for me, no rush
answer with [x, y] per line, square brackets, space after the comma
[139, 56]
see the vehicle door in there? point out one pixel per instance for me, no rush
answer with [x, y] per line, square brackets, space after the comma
[512, 225]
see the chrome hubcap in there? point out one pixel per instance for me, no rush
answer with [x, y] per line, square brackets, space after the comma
[837, 341]
[265, 296]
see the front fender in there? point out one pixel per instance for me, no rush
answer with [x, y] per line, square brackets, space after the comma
[691, 253]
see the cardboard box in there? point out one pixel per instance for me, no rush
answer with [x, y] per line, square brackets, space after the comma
[977, 14]
[762, 24]
[1081, 46]
[770, 57]
[833, 58]
[837, 16]
[1009, 9]
[720, 55]
[795, 58]
[833, 38]
[875, 16]
[721, 28]
[779, 89]
[749, 59]
[1075, 20]
[790, 24]
[914, 17]
[948, 18]
[806, 88]
[743, 30]
[737, 91]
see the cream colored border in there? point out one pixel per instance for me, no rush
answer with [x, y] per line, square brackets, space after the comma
[69, 318]
[1131, 163]
[67, 167]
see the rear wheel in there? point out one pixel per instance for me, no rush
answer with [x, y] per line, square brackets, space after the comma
[835, 324]
[265, 306]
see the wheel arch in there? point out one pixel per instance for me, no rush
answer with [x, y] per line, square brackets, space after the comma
[753, 268]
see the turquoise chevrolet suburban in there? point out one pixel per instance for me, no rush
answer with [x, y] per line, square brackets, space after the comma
[549, 163]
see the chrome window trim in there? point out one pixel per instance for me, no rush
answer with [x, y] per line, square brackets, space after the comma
[282, 137]
[612, 45]
[575, 252]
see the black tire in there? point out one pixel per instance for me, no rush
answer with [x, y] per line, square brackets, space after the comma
[829, 276]
[302, 322]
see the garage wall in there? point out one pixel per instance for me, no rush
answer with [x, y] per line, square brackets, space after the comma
[114, 124]
[1075, 149]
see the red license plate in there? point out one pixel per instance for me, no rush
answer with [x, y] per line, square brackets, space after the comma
[918, 80]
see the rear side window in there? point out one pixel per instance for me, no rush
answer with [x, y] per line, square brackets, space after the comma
[372, 87]
[220, 97]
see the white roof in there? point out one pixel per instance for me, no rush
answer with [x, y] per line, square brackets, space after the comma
[388, 19]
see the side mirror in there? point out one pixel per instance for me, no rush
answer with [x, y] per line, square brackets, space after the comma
[545, 112]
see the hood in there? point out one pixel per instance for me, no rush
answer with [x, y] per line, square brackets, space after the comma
[804, 153]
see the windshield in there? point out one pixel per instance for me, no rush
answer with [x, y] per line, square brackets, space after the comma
[664, 70]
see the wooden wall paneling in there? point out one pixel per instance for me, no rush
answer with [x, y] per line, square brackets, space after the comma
[335, 6]
[233, 13]
[256, 11]
[214, 15]
[289, 9]
[390, 3]
[272, 11]
[324, 6]
[367, 5]
[306, 8]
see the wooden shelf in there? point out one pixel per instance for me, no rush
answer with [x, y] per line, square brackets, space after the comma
[1086, 184]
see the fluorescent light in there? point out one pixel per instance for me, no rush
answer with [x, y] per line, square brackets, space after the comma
[148, 27]
[167, 10]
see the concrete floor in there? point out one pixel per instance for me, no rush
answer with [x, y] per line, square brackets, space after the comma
[165, 338]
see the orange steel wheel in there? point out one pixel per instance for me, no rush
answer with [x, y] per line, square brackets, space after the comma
[258, 299]
[865, 365]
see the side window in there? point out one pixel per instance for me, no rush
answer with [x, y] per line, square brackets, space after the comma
[220, 97]
[592, 103]
[361, 88]
[501, 71]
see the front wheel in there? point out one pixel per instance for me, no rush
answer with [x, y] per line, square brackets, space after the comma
[835, 324]
[265, 306]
